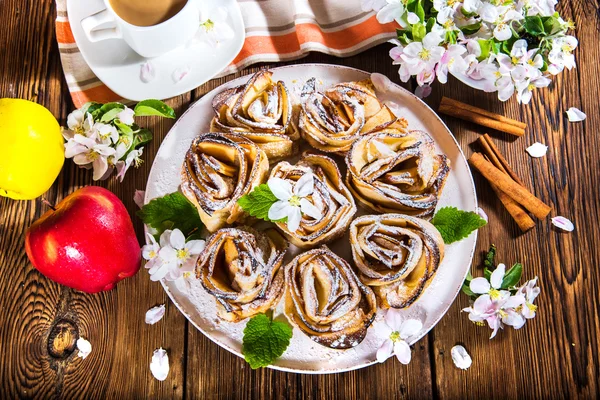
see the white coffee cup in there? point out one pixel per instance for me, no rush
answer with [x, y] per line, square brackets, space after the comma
[147, 41]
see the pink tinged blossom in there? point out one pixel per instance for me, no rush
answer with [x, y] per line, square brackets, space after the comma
[423, 91]
[138, 198]
[396, 333]
[180, 73]
[147, 72]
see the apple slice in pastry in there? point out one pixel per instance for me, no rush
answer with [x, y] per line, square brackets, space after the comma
[396, 255]
[326, 300]
[241, 268]
[332, 120]
[219, 168]
[260, 110]
[397, 173]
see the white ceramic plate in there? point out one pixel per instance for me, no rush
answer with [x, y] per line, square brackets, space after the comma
[304, 355]
[118, 67]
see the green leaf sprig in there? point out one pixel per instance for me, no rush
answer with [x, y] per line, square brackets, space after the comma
[265, 340]
[172, 211]
[454, 224]
[511, 277]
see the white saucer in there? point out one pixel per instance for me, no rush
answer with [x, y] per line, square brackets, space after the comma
[118, 66]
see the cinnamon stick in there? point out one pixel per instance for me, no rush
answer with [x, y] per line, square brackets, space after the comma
[507, 185]
[482, 117]
[493, 155]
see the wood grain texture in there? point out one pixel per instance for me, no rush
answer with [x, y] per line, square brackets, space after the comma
[553, 356]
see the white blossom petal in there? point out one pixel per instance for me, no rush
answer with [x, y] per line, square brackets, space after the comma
[147, 72]
[575, 114]
[309, 209]
[279, 210]
[413, 18]
[423, 91]
[159, 366]
[138, 198]
[180, 73]
[410, 328]
[479, 285]
[195, 247]
[537, 150]
[461, 358]
[305, 185]
[393, 319]
[84, 348]
[402, 351]
[294, 218]
[155, 314]
[281, 188]
[126, 116]
[563, 223]
[385, 350]
[482, 214]
[498, 276]
[177, 239]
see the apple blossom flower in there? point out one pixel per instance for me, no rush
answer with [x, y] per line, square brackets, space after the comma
[292, 202]
[561, 55]
[452, 61]
[86, 151]
[496, 311]
[421, 57]
[502, 17]
[133, 157]
[106, 133]
[214, 28]
[526, 86]
[172, 257]
[396, 333]
[159, 365]
[79, 122]
[529, 291]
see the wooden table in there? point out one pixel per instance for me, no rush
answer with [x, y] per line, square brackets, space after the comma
[555, 355]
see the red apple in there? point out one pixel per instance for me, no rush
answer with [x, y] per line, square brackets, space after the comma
[87, 242]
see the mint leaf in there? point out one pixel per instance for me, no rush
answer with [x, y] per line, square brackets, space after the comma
[153, 107]
[258, 202]
[264, 340]
[512, 276]
[172, 211]
[455, 224]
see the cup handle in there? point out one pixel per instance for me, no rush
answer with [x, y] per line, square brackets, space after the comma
[89, 25]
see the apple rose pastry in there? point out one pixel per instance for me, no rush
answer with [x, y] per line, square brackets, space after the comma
[261, 111]
[396, 255]
[313, 197]
[217, 171]
[397, 173]
[241, 268]
[331, 121]
[326, 300]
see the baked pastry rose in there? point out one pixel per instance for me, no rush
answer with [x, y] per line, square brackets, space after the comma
[327, 200]
[326, 301]
[332, 120]
[260, 110]
[241, 268]
[397, 173]
[218, 169]
[395, 254]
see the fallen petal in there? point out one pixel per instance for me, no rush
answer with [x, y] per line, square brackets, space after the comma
[537, 150]
[461, 358]
[180, 73]
[575, 114]
[423, 91]
[147, 72]
[84, 348]
[482, 214]
[159, 366]
[155, 314]
[138, 198]
[563, 223]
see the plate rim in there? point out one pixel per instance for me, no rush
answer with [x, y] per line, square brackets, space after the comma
[414, 339]
[238, 19]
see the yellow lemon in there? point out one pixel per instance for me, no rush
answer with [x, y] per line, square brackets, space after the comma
[31, 149]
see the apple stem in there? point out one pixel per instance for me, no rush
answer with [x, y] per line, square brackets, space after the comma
[48, 204]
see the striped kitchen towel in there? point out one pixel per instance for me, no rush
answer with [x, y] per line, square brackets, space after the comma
[276, 30]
